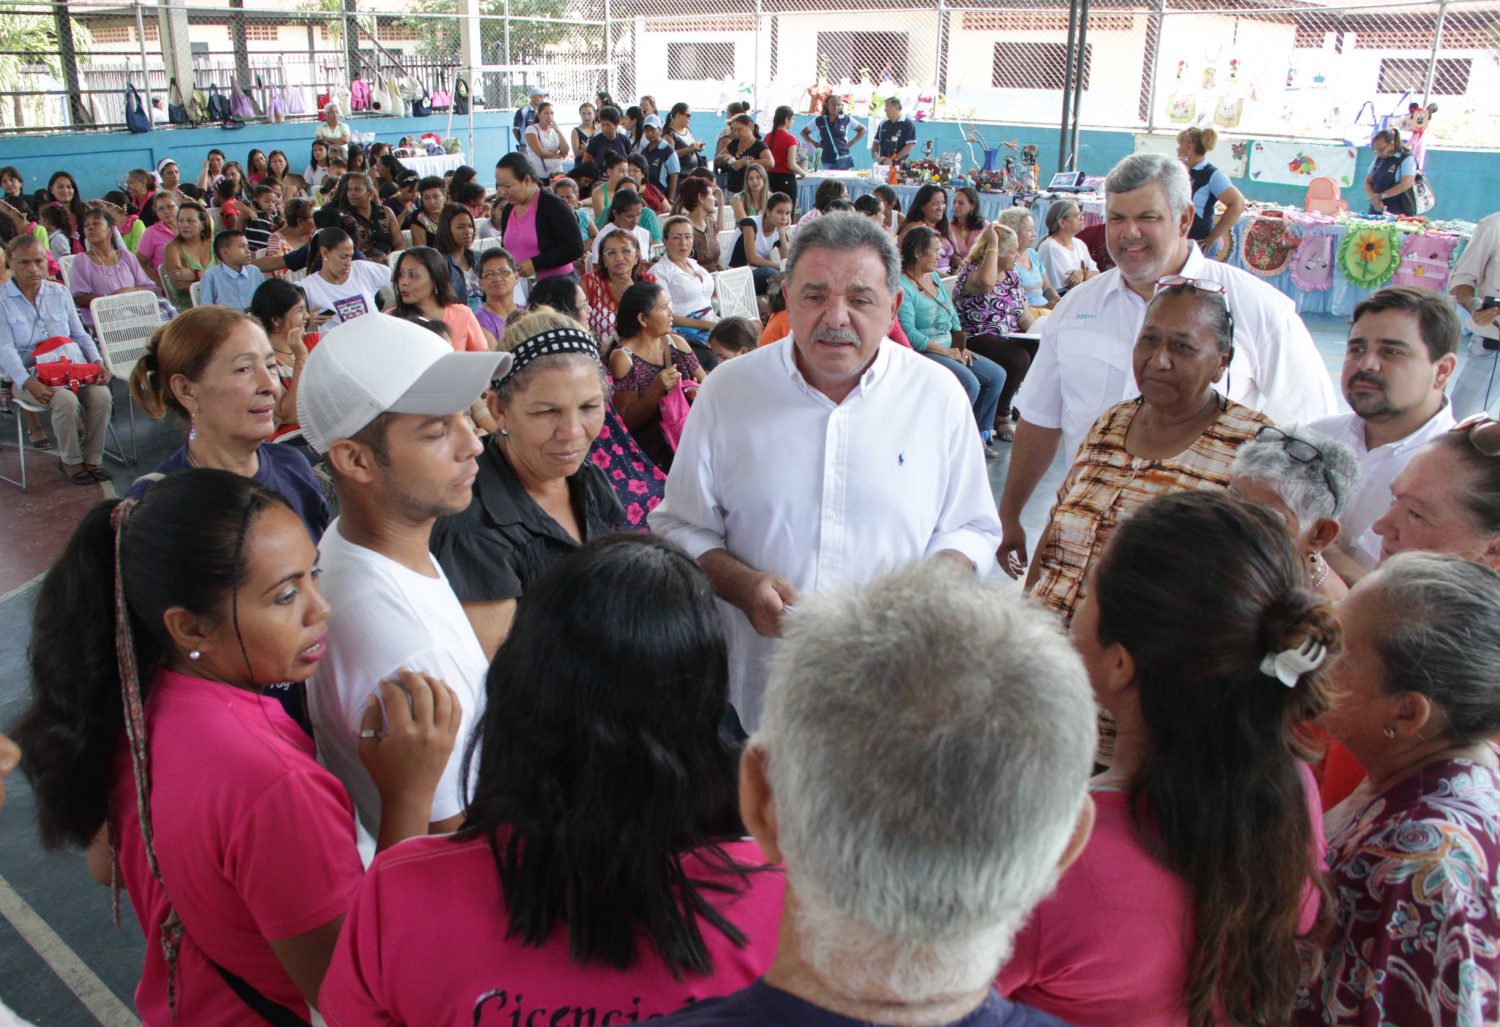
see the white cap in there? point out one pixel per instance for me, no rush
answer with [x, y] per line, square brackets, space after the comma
[379, 364]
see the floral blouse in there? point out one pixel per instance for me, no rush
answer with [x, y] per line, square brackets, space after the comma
[603, 307]
[997, 312]
[638, 483]
[1415, 877]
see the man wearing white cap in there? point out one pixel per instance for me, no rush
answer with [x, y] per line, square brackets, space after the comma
[662, 163]
[387, 402]
[526, 117]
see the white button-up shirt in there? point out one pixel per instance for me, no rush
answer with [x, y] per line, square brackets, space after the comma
[773, 471]
[1378, 467]
[1479, 268]
[1083, 367]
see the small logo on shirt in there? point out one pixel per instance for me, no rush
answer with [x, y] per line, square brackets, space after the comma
[900, 459]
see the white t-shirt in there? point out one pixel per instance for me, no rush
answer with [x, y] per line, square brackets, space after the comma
[689, 291]
[332, 136]
[545, 167]
[355, 298]
[1059, 261]
[386, 616]
[642, 238]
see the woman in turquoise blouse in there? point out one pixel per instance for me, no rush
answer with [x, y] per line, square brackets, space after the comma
[931, 323]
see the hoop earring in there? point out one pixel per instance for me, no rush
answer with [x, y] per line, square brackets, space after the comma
[194, 655]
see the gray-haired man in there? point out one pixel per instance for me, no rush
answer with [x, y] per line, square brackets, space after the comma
[830, 456]
[911, 864]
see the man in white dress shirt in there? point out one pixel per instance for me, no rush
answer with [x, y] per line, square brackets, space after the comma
[1401, 354]
[1083, 368]
[830, 456]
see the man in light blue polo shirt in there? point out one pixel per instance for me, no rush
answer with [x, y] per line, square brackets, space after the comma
[33, 310]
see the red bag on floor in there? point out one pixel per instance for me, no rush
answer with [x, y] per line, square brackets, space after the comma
[57, 368]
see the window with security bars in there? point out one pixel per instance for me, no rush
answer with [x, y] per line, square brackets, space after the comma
[878, 56]
[1402, 74]
[1035, 65]
[700, 61]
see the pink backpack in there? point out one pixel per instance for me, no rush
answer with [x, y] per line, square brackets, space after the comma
[359, 95]
[1425, 261]
[1312, 264]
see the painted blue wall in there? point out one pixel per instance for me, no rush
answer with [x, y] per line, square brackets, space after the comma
[99, 160]
[1467, 182]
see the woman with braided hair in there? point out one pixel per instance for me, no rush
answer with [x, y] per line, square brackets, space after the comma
[149, 742]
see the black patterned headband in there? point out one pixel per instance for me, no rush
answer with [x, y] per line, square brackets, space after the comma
[548, 344]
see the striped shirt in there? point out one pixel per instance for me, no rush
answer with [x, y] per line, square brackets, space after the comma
[1106, 483]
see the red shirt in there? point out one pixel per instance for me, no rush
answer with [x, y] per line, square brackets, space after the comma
[781, 142]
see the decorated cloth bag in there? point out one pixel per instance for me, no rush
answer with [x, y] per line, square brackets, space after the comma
[1182, 109]
[1369, 255]
[1425, 260]
[1312, 264]
[1229, 110]
[1266, 246]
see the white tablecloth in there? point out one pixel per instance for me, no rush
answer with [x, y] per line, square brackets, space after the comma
[432, 165]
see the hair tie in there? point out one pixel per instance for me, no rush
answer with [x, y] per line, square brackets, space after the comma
[1289, 665]
[547, 344]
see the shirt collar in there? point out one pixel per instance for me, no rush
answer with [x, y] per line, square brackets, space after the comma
[506, 501]
[873, 374]
[1201, 164]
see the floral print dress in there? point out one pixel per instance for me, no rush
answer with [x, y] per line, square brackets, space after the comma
[638, 483]
[1415, 877]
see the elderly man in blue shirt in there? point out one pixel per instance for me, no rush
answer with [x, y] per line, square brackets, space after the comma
[33, 310]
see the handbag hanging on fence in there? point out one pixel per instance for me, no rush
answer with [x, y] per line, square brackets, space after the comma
[240, 106]
[177, 113]
[218, 104]
[136, 118]
[460, 95]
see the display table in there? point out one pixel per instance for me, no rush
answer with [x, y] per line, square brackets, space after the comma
[1343, 296]
[425, 166]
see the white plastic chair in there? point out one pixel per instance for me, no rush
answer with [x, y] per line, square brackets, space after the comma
[726, 217]
[66, 263]
[406, 234]
[735, 291]
[123, 325]
[193, 291]
[392, 257]
[727, 239]
[483, 245]
[947, 283]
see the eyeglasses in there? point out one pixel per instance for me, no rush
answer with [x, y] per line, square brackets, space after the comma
[1207, 285]
[498, 273]
[1301, 451]
[1483, 432]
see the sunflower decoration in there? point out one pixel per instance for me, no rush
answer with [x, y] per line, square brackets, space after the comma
[1369, 255]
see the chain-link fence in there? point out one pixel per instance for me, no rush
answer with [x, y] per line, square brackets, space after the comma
[1251, 67]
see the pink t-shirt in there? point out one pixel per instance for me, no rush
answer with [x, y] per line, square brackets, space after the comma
[397, 961]
[153, 245]
[255, 841]
[521, 241]
[1110, 947]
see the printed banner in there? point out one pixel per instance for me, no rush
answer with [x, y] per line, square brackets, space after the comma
[1294, 163]
[1230, 156]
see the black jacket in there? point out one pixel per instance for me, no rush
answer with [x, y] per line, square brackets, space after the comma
[557, 232]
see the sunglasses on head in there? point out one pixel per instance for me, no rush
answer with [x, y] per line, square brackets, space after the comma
[1299, 450]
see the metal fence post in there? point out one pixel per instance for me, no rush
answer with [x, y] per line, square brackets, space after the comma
[351, 46]
[939, 65]
[609, 49]
[140, 33]
[755, 79]
[1432, 58]
[1154, 25]
[67, 57]
[1067, 90]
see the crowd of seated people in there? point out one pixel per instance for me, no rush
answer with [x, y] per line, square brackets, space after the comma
[464, 665]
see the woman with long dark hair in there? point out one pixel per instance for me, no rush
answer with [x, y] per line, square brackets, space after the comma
[63, 194]
[597, 868]
[1203, 638]
[423, 290]
[149, 742]
[277, 166]
[929, 209]
[785, 170]
[374, 229]
[455, 237]
[648, 363]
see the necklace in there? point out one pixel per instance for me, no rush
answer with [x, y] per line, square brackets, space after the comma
[1320, 569]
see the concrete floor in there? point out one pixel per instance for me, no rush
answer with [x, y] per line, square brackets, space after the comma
[68, 934]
